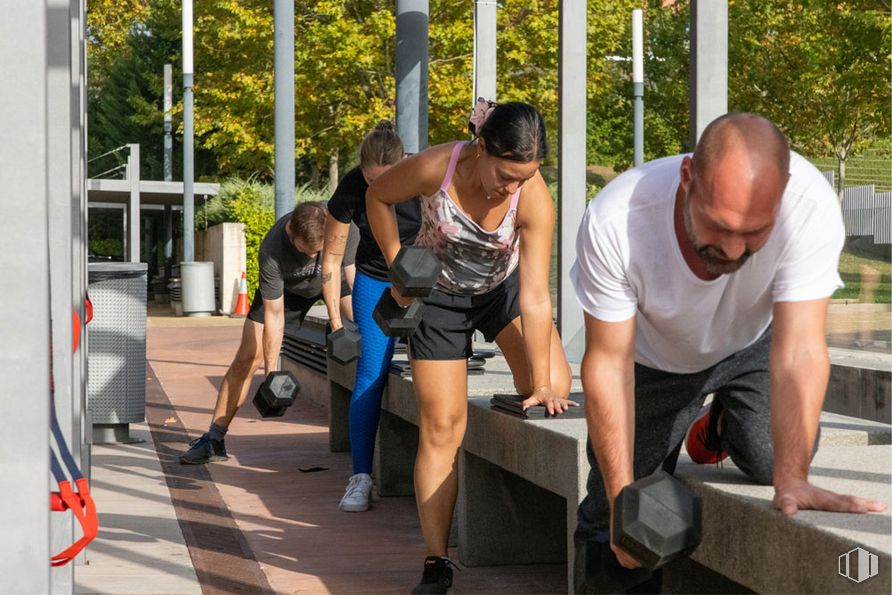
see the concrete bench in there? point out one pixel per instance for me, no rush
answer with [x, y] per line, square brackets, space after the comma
[860, 384]
[522, 479]
[748, 542]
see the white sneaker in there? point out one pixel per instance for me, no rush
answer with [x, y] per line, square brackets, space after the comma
[356, 499]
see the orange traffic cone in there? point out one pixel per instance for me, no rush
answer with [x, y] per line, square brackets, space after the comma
[241, 306]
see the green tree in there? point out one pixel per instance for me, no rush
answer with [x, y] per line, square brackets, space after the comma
[125, 95]
[819, 70]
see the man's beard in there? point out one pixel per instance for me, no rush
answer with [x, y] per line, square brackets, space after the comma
[709, 255]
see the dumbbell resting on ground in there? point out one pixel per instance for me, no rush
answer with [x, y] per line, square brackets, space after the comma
[414, 273]
[344, 345]
[276, 394]
[657, 519]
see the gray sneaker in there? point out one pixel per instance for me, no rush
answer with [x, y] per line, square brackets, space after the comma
[356, 498]
[204, 450]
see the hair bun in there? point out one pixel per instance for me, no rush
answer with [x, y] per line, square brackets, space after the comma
[385, 126]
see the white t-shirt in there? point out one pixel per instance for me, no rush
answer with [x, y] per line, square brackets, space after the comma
[629, 262]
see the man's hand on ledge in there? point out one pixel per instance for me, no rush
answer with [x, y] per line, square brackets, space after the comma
[794, 495]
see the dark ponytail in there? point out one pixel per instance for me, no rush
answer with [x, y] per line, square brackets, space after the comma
[515, 131]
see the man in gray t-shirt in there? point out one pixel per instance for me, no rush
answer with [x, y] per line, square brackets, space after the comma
[290, 264]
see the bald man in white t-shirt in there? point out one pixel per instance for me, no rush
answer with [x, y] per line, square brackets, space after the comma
[708, 274]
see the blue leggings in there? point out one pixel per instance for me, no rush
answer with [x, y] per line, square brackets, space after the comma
[371, 371]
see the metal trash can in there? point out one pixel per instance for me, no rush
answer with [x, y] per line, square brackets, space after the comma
[116, 357]
[198, 288]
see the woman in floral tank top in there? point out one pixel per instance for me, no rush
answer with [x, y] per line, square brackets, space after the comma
[488, 216]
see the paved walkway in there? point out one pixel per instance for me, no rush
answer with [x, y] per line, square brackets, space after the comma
[255, 523]
[140, 548]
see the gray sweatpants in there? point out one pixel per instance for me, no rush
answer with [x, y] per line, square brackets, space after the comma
[665, 406]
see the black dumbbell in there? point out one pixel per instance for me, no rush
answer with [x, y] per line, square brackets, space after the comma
[344, 345]
[414, 273]
[276, 394]
[657, 519]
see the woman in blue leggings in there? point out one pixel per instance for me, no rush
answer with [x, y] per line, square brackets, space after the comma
[380, 149]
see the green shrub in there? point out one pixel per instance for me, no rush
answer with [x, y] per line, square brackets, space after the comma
[252, 203]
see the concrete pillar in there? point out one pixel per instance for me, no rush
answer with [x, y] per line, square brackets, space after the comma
[411, 73]
[485, 49]
[708, 94]
[133, 176]
[29, 53]
[283, 66]
[571, 165]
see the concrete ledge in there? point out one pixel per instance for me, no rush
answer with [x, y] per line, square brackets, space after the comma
[843, 430]
[860, 384]
[749, 542]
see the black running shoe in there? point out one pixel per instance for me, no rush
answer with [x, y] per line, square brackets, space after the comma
[204, 450]
[437, 577]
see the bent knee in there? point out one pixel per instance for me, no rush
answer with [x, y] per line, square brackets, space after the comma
[444, 432]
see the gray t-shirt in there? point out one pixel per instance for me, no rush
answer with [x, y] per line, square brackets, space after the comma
[283, 268]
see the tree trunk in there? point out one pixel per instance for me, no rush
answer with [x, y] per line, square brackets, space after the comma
[314, 175]
[332, 170]
[841, 178]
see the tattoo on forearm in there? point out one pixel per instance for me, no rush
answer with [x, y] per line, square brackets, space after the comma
[339, 240]
[326, 277]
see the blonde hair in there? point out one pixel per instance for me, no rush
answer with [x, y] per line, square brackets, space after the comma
[381, 146]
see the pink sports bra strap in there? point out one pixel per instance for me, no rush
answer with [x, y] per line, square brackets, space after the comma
[452, 162]
[514, 198]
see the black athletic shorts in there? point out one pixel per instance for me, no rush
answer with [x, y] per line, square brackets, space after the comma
[449, 320]
[296, 308]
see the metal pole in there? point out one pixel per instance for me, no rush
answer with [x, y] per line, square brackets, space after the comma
[85, 430]
[188, 133]
[168, 122]
[411, 73]
[168, 241]
[29, 51]
[708, 93]
[59, 200]
[133, 176]
[283, 65]
[485, 63]
[638, 82]
[571, 169]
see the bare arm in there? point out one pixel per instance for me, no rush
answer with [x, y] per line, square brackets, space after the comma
[608, 381]
[347, 300]
[536, 222]
[420, 174]
[332, 256]
[799, 369]
[273, 331]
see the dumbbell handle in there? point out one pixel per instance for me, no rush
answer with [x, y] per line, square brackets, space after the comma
[395, 294]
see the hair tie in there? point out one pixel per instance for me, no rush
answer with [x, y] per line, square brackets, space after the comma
[482, 109]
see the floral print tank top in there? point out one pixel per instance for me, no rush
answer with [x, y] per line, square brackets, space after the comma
[474, 260]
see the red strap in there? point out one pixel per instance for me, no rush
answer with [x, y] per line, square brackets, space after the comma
[75, 329]
[84, 509]
[89, 310]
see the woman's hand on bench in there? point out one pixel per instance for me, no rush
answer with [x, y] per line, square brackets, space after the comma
[553, 403]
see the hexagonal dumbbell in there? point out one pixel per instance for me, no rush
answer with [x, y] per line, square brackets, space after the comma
[344, 345]
[657, 519]
[276, 394]
[414, 273]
